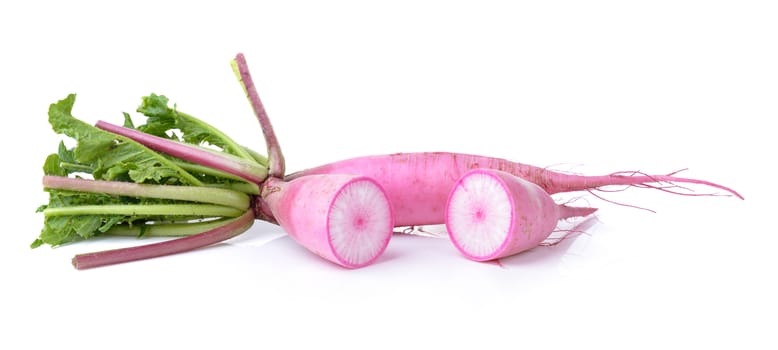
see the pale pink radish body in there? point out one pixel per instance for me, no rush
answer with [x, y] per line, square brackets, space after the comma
[346, 219]
[418, 184]
[491, 214]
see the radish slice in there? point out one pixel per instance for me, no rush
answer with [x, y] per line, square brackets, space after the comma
[492, 214]
[346, 219]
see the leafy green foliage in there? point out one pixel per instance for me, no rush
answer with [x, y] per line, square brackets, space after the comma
[161, 119]
[52, 166]
[109, 156]
[65, 229]
[59, 230]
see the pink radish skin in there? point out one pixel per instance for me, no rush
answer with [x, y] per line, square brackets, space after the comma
[418, 184]
[492, 214]
[346, 219]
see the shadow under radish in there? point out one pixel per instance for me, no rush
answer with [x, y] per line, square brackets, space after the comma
[556, 247]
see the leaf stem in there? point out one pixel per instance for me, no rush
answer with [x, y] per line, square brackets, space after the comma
[211, 195]
[275, 156]
[76, 168]
[241, 185]
[228, 230]
[176, 229]
[239, 150]
[243, 168]
[190, 210]
[244, 187]
[260, 158]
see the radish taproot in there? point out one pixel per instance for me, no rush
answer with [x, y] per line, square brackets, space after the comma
[418, 184]
[492, 214]
[346, 219]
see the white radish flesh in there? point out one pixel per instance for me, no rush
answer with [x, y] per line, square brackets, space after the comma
[346, 219]
[492, 214]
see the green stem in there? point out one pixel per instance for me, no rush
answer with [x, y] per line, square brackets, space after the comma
[261, 159]
[224, 232]
[166, 229]
[75, 168]
[241, 185]
[238, 150]
[245, 168]
[196, 210]
[244, 187]
[219, 196]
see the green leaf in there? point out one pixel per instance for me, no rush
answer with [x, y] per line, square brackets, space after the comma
[36, 243]
[162, 119]
[52, 166]
[128, 121]
[142, 231]
[92, 141]
[156, 106]
[110, 222]
[65, 154]
[107, 156]
[58, 230]
[110, 156]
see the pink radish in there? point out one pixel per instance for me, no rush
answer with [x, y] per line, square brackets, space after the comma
[345, 211]
[418, 184]
[491, 214]
[345, 219]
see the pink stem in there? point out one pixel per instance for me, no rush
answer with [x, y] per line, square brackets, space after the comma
[275, 157]
[186, 152]
[178, 245]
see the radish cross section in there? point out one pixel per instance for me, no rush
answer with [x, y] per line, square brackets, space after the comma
[359, 219]
[481, 211]
[491, 214]
[346, 219]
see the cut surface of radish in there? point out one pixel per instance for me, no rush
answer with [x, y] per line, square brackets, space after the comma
[491, 214]
[346, 219]
[359, 218]
[479, 214]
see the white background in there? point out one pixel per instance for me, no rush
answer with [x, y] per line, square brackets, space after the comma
[589, 86]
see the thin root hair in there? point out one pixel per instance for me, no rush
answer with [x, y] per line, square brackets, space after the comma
[576, 199]
[665, 188]
[617, 203]
[552, 241]
[576, 230]
[418, 231]
[569, 172]
[661, 185]
[670, 184]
